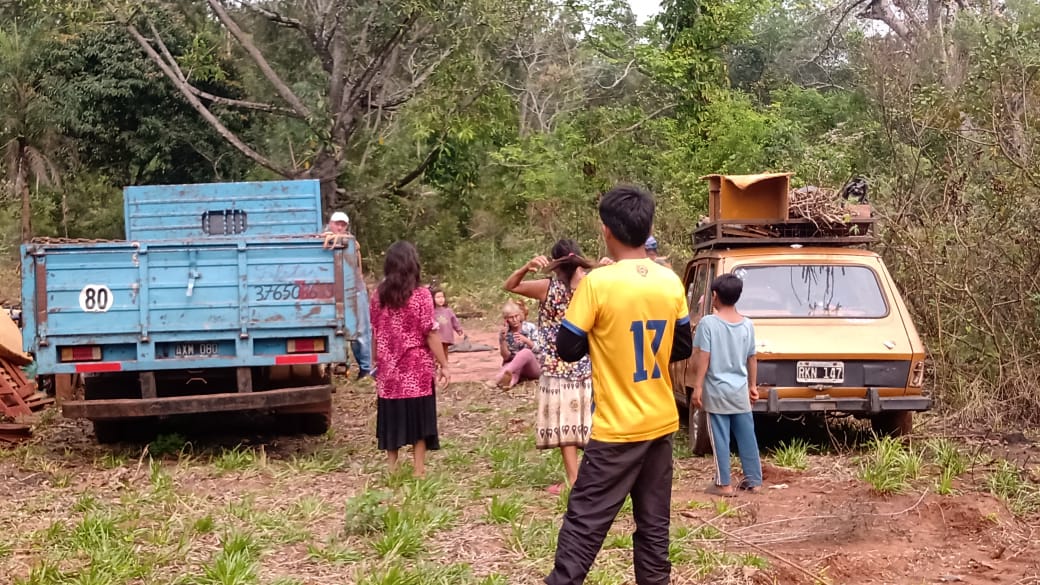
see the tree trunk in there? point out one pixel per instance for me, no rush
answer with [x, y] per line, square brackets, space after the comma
[21, 186]
[326, 169]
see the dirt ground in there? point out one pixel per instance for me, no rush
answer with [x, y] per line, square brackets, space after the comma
[819, 525]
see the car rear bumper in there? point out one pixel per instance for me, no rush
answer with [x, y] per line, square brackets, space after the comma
[122, 408]
[873, 403]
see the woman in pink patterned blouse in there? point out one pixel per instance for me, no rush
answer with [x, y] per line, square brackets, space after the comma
[407, 345]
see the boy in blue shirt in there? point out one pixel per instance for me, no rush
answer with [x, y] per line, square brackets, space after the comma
[726, 385]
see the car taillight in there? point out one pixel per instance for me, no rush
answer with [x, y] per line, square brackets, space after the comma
[917, 375]
[81, 353]
[308, 345]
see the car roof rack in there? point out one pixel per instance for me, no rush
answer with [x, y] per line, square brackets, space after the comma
[728, 234]
[756, 210]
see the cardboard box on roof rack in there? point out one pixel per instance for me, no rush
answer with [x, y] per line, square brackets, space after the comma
[748, 197]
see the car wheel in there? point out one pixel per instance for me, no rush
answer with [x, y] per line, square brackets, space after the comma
[700, 441]
[895, 423]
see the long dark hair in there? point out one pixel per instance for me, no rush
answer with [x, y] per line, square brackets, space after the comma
[567, 259]
[401, 273]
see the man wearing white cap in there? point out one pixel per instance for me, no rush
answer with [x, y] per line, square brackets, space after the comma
[339, 224]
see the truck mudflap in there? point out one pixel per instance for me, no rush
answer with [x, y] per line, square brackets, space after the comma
[873, 403]
[301, 399]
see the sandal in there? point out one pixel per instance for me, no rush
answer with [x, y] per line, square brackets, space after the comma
[718, 490]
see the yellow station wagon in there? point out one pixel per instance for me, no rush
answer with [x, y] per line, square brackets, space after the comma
[833, 334]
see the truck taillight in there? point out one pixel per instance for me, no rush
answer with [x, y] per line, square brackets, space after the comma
[81, 353]
[917, 375]
[308, 345]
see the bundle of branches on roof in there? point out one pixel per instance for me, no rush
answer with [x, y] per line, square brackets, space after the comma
[819, 205]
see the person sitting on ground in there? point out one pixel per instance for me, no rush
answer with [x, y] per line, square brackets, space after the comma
[651, 253]
[725, 384]
[339, 227]
[447, 323]
[516, 343]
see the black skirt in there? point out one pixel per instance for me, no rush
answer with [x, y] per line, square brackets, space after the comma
[405, 421]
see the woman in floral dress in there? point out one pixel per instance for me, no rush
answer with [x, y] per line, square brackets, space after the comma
[564, 416]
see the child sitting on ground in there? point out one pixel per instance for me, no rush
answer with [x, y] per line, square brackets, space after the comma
[447, 323]
[726, 385]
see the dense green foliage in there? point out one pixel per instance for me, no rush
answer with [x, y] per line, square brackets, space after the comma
[483, 131]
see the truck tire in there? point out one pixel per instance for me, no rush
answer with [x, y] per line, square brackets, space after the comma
[315, 423]
[109, 431]
[700, 441]
[895, 423]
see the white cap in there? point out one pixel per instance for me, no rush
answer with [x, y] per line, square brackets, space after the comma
[339, 216]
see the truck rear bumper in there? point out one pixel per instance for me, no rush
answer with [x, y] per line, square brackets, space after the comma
[143, 407]
[874, 403]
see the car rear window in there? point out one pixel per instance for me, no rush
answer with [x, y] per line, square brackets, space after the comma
[811, 290]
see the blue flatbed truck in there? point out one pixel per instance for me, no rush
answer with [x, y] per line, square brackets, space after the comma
[223, 297]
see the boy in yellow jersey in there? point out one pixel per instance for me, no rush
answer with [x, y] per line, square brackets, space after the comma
[632, 320]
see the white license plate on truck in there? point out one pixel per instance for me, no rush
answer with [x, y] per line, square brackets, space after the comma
[820, 372]
[197, 349]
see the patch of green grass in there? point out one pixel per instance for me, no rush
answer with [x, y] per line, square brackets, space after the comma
[792, 455]
[334, 554]
[164, 445]
[326, 460]
[681, 446]
[111, 460]
[608, 575]
[753, 560]
[204, 525]
[365, 512]
[677, 553]
[889, 465]
[237, 563]
[242, 508]
[535, 540]
[706, 532]
[308, 509]
[279, 526]
[947, 455]
[724, 509]
[1007, 483]
[619, 541]
[240, 458]
[85, 503]
[45, 573]
[504, 510]
[403, 524]
[162, 482]
[408, 573]
[950, 460]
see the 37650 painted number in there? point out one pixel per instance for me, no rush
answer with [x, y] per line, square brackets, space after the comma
[294, 291]
[639, 329]
[277, 292]
[95, 298]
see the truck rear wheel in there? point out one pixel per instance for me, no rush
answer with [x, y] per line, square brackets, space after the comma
[700, 441]
[109, 431]
[894, 423]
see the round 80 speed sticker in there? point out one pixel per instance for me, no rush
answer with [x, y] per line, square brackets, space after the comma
[95, 298]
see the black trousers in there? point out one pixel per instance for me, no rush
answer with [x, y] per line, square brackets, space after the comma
[609, 472]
